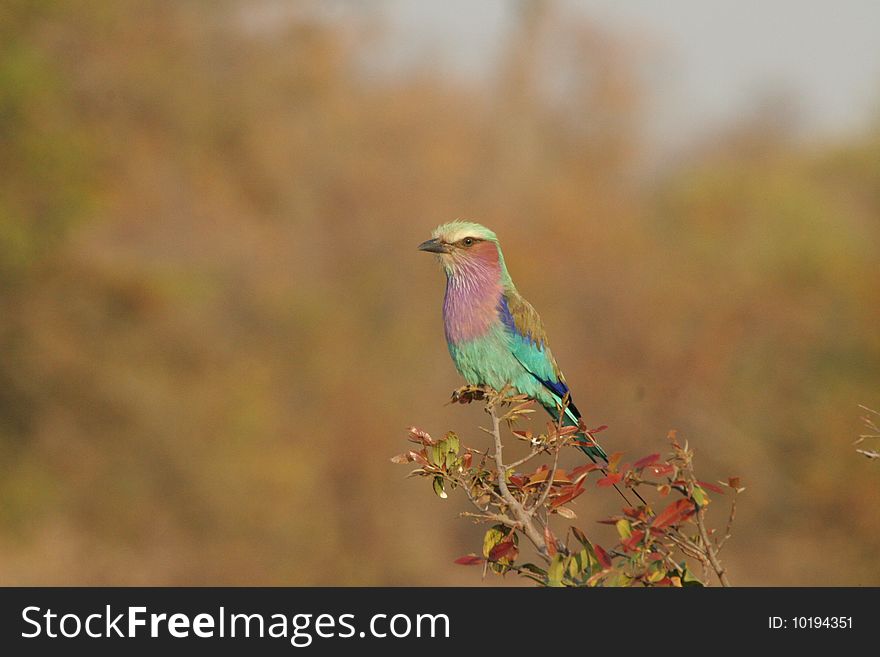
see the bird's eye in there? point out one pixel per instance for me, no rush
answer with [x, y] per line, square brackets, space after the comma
[468, 241]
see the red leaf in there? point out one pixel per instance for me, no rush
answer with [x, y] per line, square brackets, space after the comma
[602, 556]
[467, 460]
[517, 481]
[570, 493]
[598, 429]
[549, 541]
[733, 482]
[614, 460]
[712, 487]
[632, 542]
[504, 549]
[540, 476]
[582, 470]
[469, 560]
[646, 461]
[610, 480]
[659, 469]
[420, 436]
[674, 513]
[586, 442]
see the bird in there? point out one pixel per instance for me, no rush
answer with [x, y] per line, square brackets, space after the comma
[495, 337]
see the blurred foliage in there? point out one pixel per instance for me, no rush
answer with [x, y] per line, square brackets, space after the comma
[214, 321]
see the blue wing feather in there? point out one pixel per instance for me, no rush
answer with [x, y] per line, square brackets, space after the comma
[529, 347]
[532, 353]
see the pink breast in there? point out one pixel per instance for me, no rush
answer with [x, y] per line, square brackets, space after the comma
[473, 291]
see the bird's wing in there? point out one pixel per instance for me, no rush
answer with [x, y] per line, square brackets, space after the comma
[530, 347]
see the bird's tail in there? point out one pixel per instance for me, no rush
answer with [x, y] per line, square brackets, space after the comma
[597, 455]
[588, 445]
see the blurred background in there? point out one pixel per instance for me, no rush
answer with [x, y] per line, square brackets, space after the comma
[215, 326]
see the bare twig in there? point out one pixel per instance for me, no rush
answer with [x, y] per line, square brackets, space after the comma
[540, 501]
[727, 530]
[687, 546]
[709, 548]
[871, 426]
[499, 518]
[519, 462]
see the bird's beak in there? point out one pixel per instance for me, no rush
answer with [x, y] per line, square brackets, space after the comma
[434, 246]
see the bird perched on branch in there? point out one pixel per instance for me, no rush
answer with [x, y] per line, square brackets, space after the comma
[495, 337]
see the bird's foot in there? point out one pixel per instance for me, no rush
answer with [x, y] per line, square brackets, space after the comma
[467, 394]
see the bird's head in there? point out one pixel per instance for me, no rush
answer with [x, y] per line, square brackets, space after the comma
[464, 245]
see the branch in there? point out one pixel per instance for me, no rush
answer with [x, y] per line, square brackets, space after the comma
[500, 518]
[687, 546]
[540, 502]
[730, 519]
[524, 459]
[709, 548]
[523, 517]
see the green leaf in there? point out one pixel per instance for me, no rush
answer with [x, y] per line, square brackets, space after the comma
[581, 537]
[578, 564]
[499, 545]
[494, 535]
[688, 579]
[656, 573]
[535, 569]
[619, 579]
[556, 571]
[438, 488]
[624, 528]
[585, 563]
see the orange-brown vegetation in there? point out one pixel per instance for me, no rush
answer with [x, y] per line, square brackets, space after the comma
[214, 323]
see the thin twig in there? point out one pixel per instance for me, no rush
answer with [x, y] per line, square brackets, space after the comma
[727, 530]
[529, 457]
[500, 518]
[540, 503]
[709, 548]
[687, 547]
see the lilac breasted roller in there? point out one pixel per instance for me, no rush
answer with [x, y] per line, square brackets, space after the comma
[494, 335]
